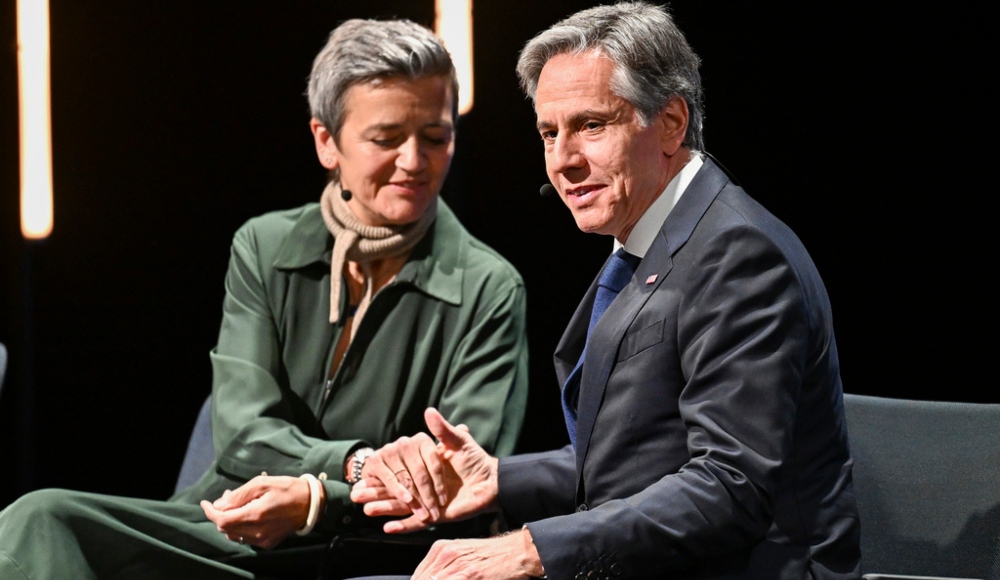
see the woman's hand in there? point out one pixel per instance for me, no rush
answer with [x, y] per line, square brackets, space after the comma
[263, 511]
[452, 480]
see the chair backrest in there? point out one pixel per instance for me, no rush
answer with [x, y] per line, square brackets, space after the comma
[200, 452]
[927, 475]
[3, 364]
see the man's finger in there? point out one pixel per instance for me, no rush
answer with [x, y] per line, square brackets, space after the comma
[449, 436]
[435, 561]
[388, 466]
[378, 468]
[401, 484]
[428, 477]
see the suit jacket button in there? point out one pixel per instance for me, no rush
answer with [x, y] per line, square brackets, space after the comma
[582, 508]
[616, 569]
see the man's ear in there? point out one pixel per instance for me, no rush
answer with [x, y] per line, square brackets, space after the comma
[326, 146]
[673, 121]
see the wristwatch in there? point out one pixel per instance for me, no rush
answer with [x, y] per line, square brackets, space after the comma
[355, 463]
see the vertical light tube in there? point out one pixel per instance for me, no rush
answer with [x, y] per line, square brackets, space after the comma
[35, 118]
[453, 25]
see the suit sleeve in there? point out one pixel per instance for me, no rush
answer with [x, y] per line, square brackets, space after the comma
[741, 334]
[533, 486]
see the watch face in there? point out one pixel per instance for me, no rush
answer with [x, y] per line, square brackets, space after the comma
[358, 463]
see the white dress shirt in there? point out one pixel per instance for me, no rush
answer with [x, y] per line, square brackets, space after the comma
[649, 224]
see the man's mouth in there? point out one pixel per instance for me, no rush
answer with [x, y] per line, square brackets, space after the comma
[583, 190]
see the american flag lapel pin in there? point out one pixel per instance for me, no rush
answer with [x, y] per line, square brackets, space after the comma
[651, 279]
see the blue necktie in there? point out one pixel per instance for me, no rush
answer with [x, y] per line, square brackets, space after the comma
[617, 272]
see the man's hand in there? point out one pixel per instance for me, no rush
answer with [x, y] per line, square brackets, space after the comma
[510, 556]
[452, 480]
[261, 512]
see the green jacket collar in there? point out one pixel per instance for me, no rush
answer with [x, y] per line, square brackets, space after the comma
[436, 265]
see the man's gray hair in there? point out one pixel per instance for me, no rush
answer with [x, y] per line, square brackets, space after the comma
[652, 60]
[360, 51]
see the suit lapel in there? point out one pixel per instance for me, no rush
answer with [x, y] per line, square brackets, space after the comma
[604, 343]
[574, 337]
[610, 330]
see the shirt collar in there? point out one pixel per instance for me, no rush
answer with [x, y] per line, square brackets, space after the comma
[434, 267]
[308, 241]
[649, 224]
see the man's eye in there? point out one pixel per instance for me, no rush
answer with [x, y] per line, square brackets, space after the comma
[593, 125]
[548, 135]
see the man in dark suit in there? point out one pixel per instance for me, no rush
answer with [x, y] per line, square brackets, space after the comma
[700, 377]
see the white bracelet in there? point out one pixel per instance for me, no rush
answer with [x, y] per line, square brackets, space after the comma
[314, 499]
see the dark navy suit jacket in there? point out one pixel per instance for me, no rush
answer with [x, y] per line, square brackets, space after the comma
[711, 439]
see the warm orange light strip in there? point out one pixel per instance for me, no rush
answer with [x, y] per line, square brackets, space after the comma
[454, 26]
[35, 118]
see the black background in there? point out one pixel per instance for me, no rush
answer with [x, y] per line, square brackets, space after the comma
[861, 126]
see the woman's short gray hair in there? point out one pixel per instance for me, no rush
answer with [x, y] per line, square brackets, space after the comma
[653, 61]
[360, 51]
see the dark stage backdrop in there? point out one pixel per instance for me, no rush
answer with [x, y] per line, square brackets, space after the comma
[174, 122]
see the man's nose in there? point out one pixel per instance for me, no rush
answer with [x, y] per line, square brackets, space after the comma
[566, 154]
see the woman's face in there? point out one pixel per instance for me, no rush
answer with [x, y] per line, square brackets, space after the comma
[394, 148]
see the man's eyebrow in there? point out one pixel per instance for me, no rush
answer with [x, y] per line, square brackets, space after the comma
[543, 125]
[577, 119]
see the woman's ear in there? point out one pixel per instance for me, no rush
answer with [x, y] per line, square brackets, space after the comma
[326, 146]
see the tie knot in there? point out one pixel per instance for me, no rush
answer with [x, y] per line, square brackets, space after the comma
[618, 271]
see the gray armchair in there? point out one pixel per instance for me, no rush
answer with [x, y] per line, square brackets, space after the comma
[3, 364]
[927, 475]
[200, 451]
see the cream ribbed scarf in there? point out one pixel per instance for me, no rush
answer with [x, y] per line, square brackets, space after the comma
[363, 244]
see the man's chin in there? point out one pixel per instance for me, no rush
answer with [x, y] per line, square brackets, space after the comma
[589, 225]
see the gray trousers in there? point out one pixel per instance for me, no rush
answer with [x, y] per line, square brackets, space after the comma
[56, 533]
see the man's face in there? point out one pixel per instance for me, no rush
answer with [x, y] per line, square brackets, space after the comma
[605, 165]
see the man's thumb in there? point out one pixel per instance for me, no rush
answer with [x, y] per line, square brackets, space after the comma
[450, 436]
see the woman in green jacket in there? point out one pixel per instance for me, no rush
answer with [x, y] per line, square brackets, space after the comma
[342, 322]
